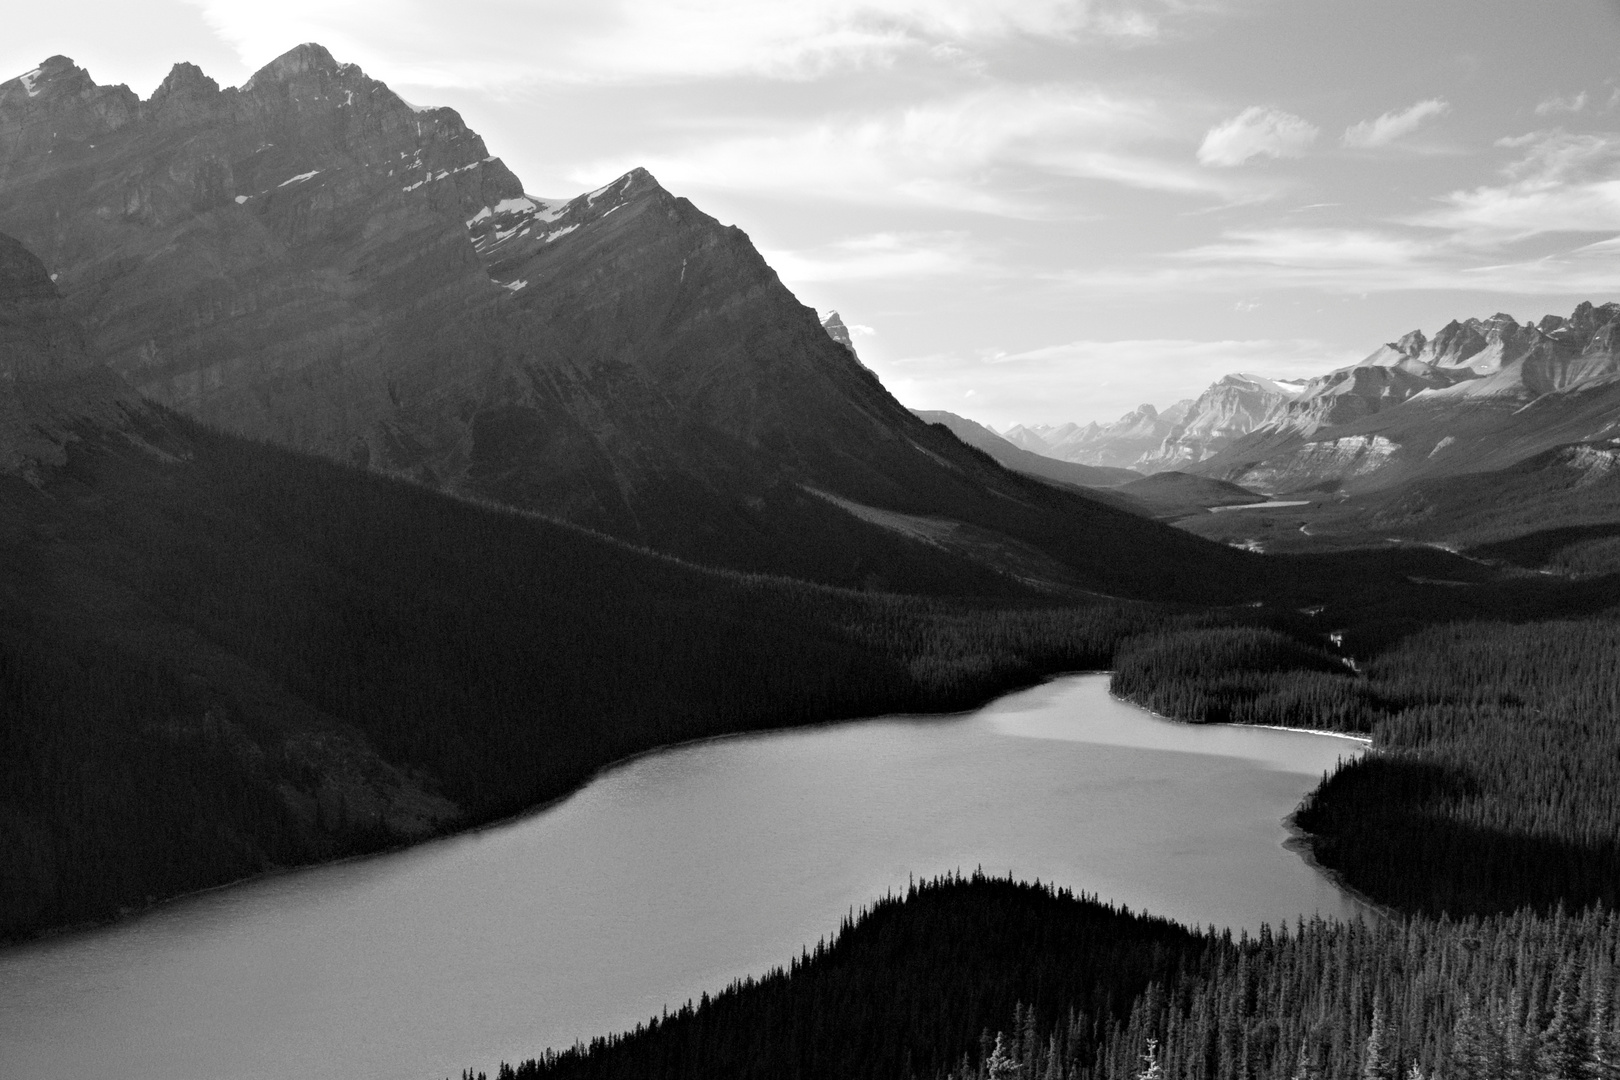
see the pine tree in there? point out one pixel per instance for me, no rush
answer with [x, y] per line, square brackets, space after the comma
[1151, 1070]
[1471, 1055]
[1000, 1065]
[1563, 1045]
[1305, 1066]
[1375, 1064]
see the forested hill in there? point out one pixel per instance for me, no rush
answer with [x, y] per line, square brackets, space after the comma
[984, 979]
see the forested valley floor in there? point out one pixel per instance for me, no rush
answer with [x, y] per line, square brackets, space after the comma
[1487, 820]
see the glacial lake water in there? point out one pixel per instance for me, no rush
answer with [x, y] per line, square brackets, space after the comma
[667, 876]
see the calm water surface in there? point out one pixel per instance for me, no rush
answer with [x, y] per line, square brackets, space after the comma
[664, 878]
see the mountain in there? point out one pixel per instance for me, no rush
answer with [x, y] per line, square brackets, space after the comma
[1231, 408]
[1123, 444]
[311, 260]
[1557, 510]
[1019, 460]
[834, 325]
[1481, 395]
[50, 385]
[1147, 440]
[219, 656]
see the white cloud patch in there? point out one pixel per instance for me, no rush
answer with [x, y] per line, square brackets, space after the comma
[990, 151]
[1362, 262]
[492, 43]
[878, 256]
[1296, 249]
[1257, 132]
[1574, 103]
[1563, 182]
[1370, 134]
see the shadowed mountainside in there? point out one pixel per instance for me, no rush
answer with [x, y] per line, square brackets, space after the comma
[311, 260]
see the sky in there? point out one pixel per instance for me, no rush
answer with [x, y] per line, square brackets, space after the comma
[1028, 211]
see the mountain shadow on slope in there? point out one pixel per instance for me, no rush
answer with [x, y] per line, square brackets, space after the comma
[308, 259]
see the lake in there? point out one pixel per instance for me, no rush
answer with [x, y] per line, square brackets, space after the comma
[667, 876]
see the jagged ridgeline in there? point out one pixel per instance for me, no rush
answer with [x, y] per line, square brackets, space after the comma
[985, 979]
[311, 260]
[1481, 394]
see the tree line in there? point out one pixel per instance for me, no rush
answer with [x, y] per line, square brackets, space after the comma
[988, 979]
[1496, 777]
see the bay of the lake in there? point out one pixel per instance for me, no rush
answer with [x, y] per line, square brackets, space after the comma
[667, 876]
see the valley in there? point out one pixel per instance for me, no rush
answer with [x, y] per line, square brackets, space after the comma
[445, 603]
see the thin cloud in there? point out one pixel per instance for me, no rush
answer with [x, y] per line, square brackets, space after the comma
[1562, 183]
[878, 256]
[1574, 103]
[1370, 134]
[1360, 262]
[1309, 248]
[1256, 132]
[491, 43]
[992, 151]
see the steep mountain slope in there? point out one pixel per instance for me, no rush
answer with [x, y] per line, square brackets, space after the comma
[1231, 408]
[49, 383]
[1023, 461]
[837, 330]
[218, 656]
[311, 260]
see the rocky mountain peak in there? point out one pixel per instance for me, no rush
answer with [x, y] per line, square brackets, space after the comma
[1412, 343]
[186, 80]
[1454, 343]
[56, 76]
[834, 325]
[302, 59]
[1501, 324]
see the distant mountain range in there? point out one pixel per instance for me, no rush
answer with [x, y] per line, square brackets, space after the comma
[1480, 394]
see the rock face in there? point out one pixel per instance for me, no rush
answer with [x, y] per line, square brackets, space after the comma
[311, 260]
[1224, 413]
[258, 256]
[834, 325]
[49, 382]
[1480, 394]
[1148, 440]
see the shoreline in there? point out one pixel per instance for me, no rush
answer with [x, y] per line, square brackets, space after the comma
[1298, 837]
[1303, 844]
[132, 914]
